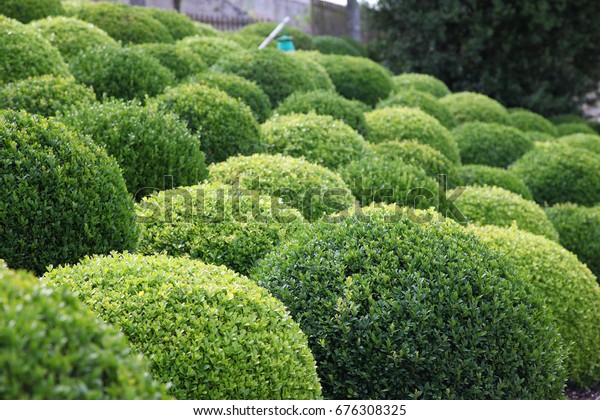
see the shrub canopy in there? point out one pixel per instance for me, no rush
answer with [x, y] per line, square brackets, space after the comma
[179, 25]
[211, 49]
[527, 121]
[328, 44]
[302, 40]
[489, 175]
[420, 82]
[178, 58]
[567, 129]
[27, 10]
[473, 107]
[590, 142]
[424, 101]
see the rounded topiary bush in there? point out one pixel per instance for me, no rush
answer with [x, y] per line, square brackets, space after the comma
[125, 23]
[312, 189]
[73, 202]
[490, 144]
[328, 44]
[155, 149]
[357, 77]
[567, 118]
[179, 25]
[414, 153]
[212, 333]
[27, 10]
[417, 308]
[490, 205]
[526, 121]
[302, 40]
[579, 229]
[470, 107]
[54, 348]
[536, 136]
[278, 74]
[204, 29]
[72, 36]
[381, 180]
[557, 173]
[26, 54]
[237, 87]
[424, 101]
[569, 289]
[488, 175]
[590, 142]
[226, 126]
[401, 123]
[420, 82]
[319, 138]
[567, 129]
[45, 95]
[215, 223]
[125, 73]
[179, 59]
[211, 49]
[324, 102]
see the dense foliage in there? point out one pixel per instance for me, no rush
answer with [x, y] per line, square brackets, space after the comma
[302, 40]
[420, 82]
[27, 10]
[181, 60]
[527, 121]
[489, 175]
[574, 128]
[590, 142]
[424, 101]
[328, 44]
[211, 49]
[472, 107]
[179, 25]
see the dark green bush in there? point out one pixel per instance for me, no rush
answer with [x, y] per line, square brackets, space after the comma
[490, 144]
[54, 348]
[579, 229]
[124, 73]
[569, 289]
[472, 107]
[401, 123]
[420, 82]
[358, 45]
[211, 49]
[225, 125]
[357, 77]
[490, 205]
[417, 308]
[179, 25]
[424, 101]
[278, 74]
[26, 54]
[323, 102]
[237, 87]
[248, 42]
[312, 189]
[319, 138]
[527, 121]
[212, 333]
[302, 40]
[125, 23]
[574, 128]
[72, 36]
[27, 10]
[63, 197]
[489, 175]
[179, 59]
[381, 180]
[557, 173]
[328, 44]
[567, 118]
[215, 223]
[45, 95]
[148, 144]
[590, 142]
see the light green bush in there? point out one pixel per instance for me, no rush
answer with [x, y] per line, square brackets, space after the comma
[421, 83]
[302, 40]
[574, 128]
[488, 175]
[179, 59]
[179, 25]
[471, 107]
[328, 44]
[527, 121]
[424, 101]
[590, 142]
[210, 49]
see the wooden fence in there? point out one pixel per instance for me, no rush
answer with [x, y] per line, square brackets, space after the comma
[224, 23]
[328, 18]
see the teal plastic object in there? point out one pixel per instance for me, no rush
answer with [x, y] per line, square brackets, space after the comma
[285, 43]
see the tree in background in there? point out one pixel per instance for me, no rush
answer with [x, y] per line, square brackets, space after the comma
[539, 54]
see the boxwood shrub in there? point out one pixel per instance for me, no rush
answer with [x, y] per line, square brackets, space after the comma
[204, 29]
[381, 180]
[526, 121]
[302, 40]
[25, 53]
[179, 25]
[212, 333]
[574, 128]
[421, 83]
[54, 348]
[590, 142]
[225, 125]
[215, 223]
[237, 87]
[489, 175]
[27, 10]
[73, 202]
[559, 173]
[579, 229]
[490, 143]
[324, 102]
[567, 118]
[402, 123]
[424, 101]
[154, 148]
[211, 49]
[319, 138]
[571, 294]
[125, 23]
[328, 44]
[470, 107]
[490, 205]
[125, 73]
[45, 95]
[179, 59]
[417, 308]
[312, 189]
[536, 136]
[72, 36]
